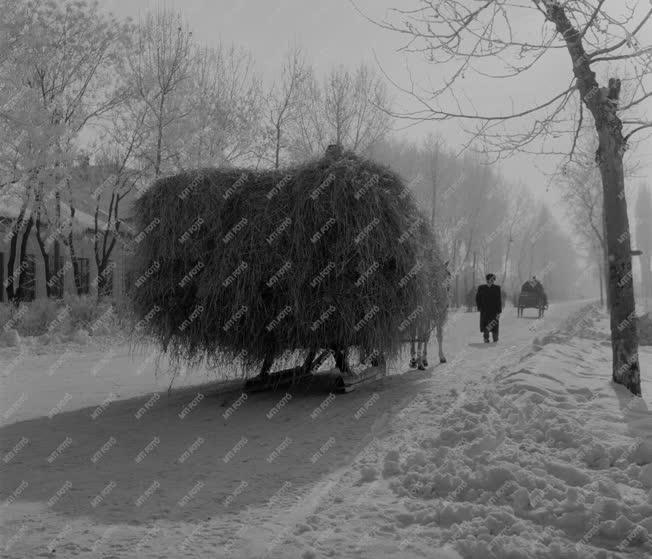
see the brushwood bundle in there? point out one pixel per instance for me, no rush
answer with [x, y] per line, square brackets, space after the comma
[235, 263]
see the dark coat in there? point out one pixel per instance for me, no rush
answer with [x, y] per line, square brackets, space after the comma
[489, 300]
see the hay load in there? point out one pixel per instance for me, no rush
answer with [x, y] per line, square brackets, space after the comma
[247, 264]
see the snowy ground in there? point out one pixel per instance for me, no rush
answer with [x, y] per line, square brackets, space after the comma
[517, 450]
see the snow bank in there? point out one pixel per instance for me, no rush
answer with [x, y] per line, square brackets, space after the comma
[541, 458]
[548, 460]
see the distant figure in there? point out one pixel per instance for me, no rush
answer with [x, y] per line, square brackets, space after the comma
[470, 300]
[334, 151]
[532, 285]
[488, 299]
[538, 288]
[537, 285]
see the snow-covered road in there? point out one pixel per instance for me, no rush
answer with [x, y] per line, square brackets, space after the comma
[69, 378]
[96, 463]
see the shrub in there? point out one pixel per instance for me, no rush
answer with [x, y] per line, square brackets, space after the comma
[43, 315]
[6, 312]
[64, 316]
[123, 314]
[85, 310]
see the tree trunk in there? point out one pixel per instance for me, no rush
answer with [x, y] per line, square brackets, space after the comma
[100, 276]
[600, 277]
[433, 214]
[159, 139]
[605, 275]
[605, 258]
[602, 102]
[75, 271]
[620, 289]
[23, 259]
[457, 274]
[57, 259]
[11, 264]
[466, 290]
[38, 200]
[46, 257]
[277, 150]
[509, 248]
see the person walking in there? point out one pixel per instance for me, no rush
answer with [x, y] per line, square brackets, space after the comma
[488, 299]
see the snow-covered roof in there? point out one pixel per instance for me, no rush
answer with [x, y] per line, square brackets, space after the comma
[12, 198]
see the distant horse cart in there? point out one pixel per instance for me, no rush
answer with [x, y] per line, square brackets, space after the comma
[531, 299]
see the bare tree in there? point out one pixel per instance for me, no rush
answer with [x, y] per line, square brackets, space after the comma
[160, 64]
[516, 216]
[461, 36]
[117, 172]
[61, 75]
[351, 109]
[220, 107]
[433, 148]
[283, 101]
[583, 197]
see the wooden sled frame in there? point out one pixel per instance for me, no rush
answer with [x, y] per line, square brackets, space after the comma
[341, 381]
[541, 305]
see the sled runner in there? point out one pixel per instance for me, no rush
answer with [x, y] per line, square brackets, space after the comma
[335, 380]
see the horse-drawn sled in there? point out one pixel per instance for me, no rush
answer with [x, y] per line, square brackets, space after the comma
[330, 259]
[532, 296]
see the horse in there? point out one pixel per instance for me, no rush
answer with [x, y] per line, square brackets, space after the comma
[433, 318]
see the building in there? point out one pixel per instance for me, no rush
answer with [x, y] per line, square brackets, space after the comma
[81, 274]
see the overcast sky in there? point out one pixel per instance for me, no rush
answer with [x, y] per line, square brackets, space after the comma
[331, 33]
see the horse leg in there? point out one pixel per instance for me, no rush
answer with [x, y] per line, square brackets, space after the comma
[337, 354]
[345, 361]
[423, 354]
[440, 342]
[423, 358]
[372, 356]
[426, 341]
[341, 361]
[267, 364]
[413, 354]
[309, 361]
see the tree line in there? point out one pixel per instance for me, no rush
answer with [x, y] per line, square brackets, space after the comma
[142, 100]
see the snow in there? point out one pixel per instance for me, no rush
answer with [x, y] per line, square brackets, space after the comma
[11, 201]
[518, 450]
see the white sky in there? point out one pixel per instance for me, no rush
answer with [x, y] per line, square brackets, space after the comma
[331, 33]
